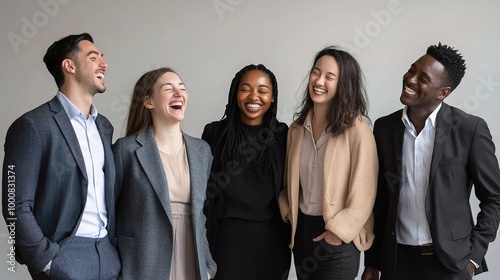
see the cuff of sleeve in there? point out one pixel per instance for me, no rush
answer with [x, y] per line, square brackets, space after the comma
[47, 267]
[475, 264]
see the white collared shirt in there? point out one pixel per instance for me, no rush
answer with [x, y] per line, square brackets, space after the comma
[95, 216]
[412, 226]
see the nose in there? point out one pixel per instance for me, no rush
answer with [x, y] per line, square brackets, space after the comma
[320, 80]
[177, 92]
[254, 95]
[102, 63]
[410, 78]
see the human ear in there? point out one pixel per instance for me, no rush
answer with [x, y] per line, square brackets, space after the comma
[68, 65]
[147, 103]
[444, 92]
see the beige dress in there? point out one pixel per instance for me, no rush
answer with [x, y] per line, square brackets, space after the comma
[177, 171]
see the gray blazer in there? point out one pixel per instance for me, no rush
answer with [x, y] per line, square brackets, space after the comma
[51, 182]
[144, 218]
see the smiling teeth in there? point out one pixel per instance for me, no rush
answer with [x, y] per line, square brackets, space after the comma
[254, 106]
[410, 91]
[175, 104]
[318, 90]
[100, 75]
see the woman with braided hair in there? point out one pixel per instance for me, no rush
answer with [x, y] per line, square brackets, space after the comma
[247, 237]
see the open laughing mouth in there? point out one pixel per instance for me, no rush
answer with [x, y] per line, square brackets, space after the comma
[100, 75]
[319, 90]
[410, 91]
[253, 107]
[177, 105]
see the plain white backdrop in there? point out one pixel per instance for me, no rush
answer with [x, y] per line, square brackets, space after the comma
[208, 41]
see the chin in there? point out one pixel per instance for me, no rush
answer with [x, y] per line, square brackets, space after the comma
[100, 89]
[403, 100]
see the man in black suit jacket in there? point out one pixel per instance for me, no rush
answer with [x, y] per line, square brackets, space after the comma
[59, 173]
[430, 156]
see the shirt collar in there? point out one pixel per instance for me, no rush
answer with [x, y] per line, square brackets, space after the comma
[71, 110]
[308, 123]
[431, 118]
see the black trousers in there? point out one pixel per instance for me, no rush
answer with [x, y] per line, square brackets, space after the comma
[320, 260]
[85, 259]
[415, 263]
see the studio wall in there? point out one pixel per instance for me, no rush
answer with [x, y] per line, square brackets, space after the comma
[208, 41]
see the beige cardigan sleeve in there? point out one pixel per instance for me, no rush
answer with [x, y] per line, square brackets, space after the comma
[350, 186]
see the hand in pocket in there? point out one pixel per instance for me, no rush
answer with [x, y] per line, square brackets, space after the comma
[329, 238]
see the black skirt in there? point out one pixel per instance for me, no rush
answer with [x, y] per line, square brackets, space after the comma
[252, 250]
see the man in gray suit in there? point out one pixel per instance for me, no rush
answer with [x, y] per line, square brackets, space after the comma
[59, 174]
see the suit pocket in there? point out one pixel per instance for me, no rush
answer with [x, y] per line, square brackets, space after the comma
[460, 232]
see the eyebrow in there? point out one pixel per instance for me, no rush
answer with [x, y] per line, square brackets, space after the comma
[328, 73]
[170, 84]
[247, 84]
[94, 52]
[426, 76]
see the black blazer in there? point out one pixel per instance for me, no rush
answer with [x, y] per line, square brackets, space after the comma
[464, 155]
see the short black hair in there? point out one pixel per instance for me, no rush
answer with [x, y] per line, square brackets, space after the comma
[60, 50]
[452, 61]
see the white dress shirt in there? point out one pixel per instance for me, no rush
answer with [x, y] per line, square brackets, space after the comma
[95, 217]
[412, 226]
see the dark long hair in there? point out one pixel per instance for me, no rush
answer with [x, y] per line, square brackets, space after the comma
[350, 100]
[233, 138]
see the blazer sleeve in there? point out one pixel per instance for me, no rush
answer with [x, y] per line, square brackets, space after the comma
[283, 201]
[208, 135]
[485, 173]
[117, 147]
[381, 206]
[21, 171]
[210, 263]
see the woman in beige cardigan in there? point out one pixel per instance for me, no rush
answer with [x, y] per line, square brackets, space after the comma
[331, 171]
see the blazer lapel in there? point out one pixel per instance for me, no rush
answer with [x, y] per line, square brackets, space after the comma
[64, 123]
[398, 137]
[196, 173]
[149, 158]
[106, 133]
[443, 128]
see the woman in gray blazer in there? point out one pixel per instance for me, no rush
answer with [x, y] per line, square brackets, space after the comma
[161, 183]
